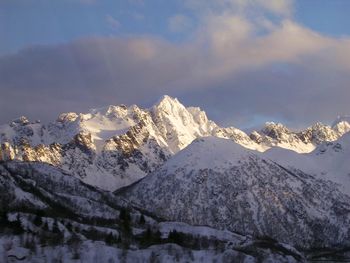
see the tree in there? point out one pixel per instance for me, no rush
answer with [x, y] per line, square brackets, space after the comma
[17, 226]
[175, 237]
[37, 221]
[124, 214]
[125, 217]
[46, 226]
[74, 244]
[69, 227]
[4, 222]
[55, 228]
[149, 237]
[142, 220]
[111, 239]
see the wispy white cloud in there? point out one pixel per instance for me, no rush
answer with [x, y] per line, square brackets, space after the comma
[112, 22]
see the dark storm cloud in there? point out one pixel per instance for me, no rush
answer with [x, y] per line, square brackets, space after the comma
[290, 73]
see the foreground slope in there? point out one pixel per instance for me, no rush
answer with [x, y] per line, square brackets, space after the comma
[219, 183]
[47, 215]
[41, 187]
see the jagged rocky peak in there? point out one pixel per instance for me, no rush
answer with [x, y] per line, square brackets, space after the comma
[275, 130]
[20, 121]
[318, 133]
[120, 144]
[173, 107]
[276, 134]
[342, 124]
[179, 125]
[119, 111]
[341, 119]
[255, 136]
[167, 104]
[67, 117]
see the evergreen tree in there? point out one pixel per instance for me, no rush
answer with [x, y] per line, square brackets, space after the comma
[110, 239]
[37, 221]
[157, 237]
[125, 219]
[55, 228]
[142, 220]
[17, 226]
[124, 214]
[46, 226]
[175, 237]
[4, 222]
[69, 227]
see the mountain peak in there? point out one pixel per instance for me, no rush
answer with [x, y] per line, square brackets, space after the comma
[168, 102]
[20, 121]
[67, 117]
[341, 118]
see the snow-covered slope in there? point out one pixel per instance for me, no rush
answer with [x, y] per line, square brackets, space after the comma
[276, 134]
[47, 215]
[219, 183]
[38, 186]
[115, 146]
[329, 161]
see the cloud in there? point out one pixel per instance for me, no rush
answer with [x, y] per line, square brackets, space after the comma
[179, 23]
[234, 67]
[113, 23]
[278, 7]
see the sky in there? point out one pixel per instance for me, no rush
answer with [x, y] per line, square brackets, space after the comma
[244, 62]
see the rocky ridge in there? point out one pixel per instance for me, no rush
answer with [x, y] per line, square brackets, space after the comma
[115, 146]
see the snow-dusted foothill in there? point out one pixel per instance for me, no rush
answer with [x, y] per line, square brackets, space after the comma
[219, 183]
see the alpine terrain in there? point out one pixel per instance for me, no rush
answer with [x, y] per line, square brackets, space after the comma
[166, 184]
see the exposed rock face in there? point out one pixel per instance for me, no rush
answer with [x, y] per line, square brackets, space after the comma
[300, 141]
[114, 146]
[6, 152]
[218, 183]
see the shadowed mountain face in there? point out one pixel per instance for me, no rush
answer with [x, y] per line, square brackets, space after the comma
[115, 146]
[42, 187]
[219, 183]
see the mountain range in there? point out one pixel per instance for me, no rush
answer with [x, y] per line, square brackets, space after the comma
[167, 184]
[115, 146]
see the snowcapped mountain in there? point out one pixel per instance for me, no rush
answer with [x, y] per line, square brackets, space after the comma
[205, 191]
[219, 183]
[276, 134]
[328, 161]
[115, 146]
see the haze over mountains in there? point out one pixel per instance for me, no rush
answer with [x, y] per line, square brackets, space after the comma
[142, 180]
